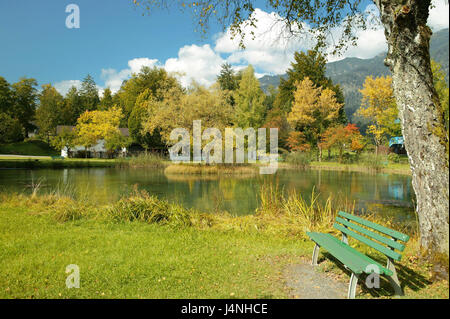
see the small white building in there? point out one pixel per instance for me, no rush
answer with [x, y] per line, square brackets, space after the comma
[98, 150]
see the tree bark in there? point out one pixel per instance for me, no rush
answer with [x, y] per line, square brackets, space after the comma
[320, 152]
[420, 112]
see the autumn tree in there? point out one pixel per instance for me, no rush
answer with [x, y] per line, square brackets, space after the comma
[157, 80]
[314, 109]
[378, 105]
[297, 141]
[177, 109]
[311, 64]
[276, 118]
[342, 137]
[24, 102]
[249, 101]
[138, 115]
[65, 139]
[48, 115]
[10, 129]
[93, 126]
[408, 58]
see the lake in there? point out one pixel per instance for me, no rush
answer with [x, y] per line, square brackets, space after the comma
[380, 193]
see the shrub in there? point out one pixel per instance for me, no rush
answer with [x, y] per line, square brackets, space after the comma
[373, 161]
[393, 158]
[299, 159]
[149, 209]
[69, 212]
[146, 160]
[348, 158]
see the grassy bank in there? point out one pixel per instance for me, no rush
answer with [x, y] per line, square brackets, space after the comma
[36, 163]
[142, 161]
[142, 247]
[366, 162]
[32, 147]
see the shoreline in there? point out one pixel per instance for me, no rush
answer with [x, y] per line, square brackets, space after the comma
[183, 169]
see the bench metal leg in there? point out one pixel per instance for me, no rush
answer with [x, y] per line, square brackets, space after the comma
[395, 283]
[352, 286]
[344, 238]
[315, 255]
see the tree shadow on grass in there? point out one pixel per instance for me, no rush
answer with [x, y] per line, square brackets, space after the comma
[408, 278]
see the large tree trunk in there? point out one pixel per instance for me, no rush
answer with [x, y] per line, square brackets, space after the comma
[421, 115]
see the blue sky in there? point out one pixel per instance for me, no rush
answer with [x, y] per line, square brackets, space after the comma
[38, 44]
[115, 40]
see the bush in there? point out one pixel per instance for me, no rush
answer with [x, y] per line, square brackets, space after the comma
[299, 159]
[393, 158]
[143, 160]
[372, 160]
[149, 209]
[348, 158]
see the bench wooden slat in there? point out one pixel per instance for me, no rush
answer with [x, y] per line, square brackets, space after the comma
[350, 257]
[388, 252]
[391, 243]
[387, 231]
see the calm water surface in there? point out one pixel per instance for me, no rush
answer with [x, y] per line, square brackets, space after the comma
[381, 193]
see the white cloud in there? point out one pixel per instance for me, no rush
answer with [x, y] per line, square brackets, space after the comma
[137, 64]
[113, 78]
[195, 62]
[438, 18]
[64, 86]
[270, 49]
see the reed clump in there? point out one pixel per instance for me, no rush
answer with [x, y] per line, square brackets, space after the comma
[149, 209]
[216, 169]
[148, 160]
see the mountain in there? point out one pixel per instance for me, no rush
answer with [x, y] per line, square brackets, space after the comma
[350, 73]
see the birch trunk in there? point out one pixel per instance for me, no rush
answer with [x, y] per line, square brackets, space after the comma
[421, 115]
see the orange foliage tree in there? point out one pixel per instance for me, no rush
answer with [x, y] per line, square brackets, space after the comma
[297, 142]
[342, 137]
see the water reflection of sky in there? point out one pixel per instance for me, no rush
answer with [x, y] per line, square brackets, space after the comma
[238, 194]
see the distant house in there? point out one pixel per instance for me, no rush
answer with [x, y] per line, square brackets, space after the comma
[96, 151]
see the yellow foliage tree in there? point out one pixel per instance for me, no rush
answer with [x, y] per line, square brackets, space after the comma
[313, 110]
[96, 125]
[379, 107]
[180, 110]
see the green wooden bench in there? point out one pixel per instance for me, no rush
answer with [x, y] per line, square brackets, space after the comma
[57, 157]
[383, 239]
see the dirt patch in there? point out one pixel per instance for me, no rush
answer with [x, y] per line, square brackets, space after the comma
[307, 282]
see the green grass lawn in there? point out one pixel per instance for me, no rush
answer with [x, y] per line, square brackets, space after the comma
[35, 148]
[137, 260]
[151, 260]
